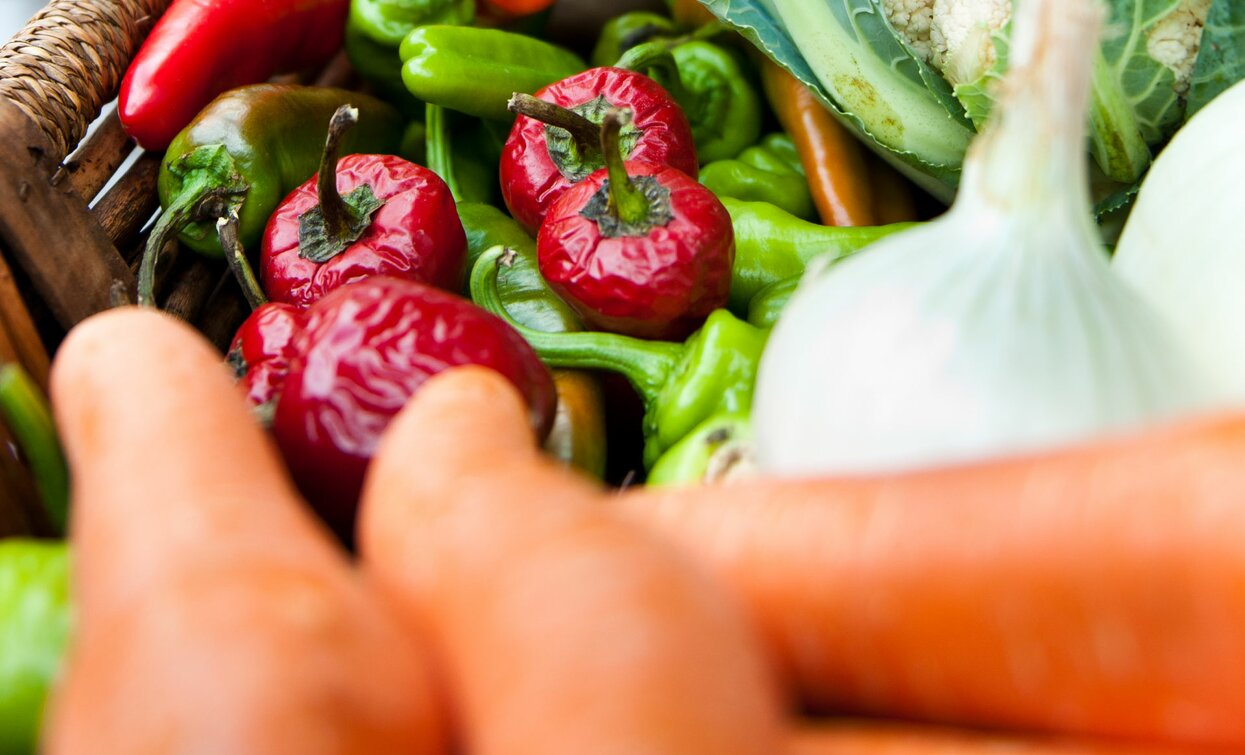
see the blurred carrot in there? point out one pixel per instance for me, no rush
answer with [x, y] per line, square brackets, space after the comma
[690, 13]
[213, 613]
[886, 738]
[833, 160]
[892, 193]
[562, 628]
[1098, 591]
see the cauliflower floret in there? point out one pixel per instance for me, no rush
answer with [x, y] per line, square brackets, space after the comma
[951, 35]
[1175, 40]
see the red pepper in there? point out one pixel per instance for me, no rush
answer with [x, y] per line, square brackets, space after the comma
[356, 358]
[541, 160]
[637, 248]
[396, 218]
[261, 352]
[201, 48]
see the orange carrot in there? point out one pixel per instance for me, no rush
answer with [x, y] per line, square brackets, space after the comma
[833, 160]
[690, 13]
[562, 628]
[1098, 591]
[213, 613]
[887, 738]
[892, 193]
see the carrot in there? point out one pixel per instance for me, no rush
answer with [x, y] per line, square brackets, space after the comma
[213, 613]
[561, 628]
[1096, 591]
[833, 160]
[849, 737]
[892, 193]
[690, 13]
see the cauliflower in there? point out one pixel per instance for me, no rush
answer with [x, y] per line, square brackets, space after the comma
[1175, 40]
[951, 35]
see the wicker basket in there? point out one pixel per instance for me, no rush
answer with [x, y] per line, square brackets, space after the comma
[68, 247]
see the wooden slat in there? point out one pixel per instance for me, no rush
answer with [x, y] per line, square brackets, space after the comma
[190, 285]
[48, 229]
[130, 202]
[19, 338]
[224, 313]
[92, 164]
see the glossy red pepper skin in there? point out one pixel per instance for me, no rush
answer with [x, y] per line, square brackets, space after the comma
[531, 181]
[660, 285]
[262, 349]
[416, 234]
[362, 352]
[201, 48]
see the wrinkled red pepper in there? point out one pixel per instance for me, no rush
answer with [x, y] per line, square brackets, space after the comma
[201, 48]
[332, 377]
[396, 218]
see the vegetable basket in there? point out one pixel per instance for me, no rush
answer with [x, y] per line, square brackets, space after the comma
[68, 245]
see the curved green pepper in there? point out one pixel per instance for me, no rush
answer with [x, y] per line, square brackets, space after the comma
[767, 306]
[244, 153]
[475, 71]
[770, 171]
[621, 33]
[375, 30]
[718, 449]
[34, 630]
[681, 385]
[722, 106]
[24, 409]
[772, 245]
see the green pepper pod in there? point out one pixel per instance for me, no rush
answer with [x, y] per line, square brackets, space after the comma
[34, 630]
[719, 449]
[772, 245]
[770, 171]
[681, 385]
[722, 106]
[468, 166]
[767, 306]
[621, 33]
[475, 70]
[244, 153]
[24, 409]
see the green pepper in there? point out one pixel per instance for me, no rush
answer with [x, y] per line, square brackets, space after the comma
[475, 71]
[681, 385]
[770, 171]
[24, 409]
[469, 165]
[244, 153]
[773, 245]
[718, 449]
[621, 33]
[722, 106]
[767, 306]
[34, 629]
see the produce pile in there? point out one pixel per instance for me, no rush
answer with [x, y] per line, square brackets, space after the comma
[643, 403]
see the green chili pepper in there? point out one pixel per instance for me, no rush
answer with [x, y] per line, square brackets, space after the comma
[24, 409]
[623, 32]
[773, 245]
[718, 449]
[375, 30]
[770, 171]
[244, 153]
[681, 384]
[475, 70]
[468, 166]
[721, 104]
[34, 629]
[767, 306]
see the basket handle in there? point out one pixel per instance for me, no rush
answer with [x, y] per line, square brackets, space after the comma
[68, 62]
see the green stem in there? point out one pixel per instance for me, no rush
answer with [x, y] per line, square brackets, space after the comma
[439, 148]
[627, 202]
[235, 256]
[585, 133]
[648, 365]
[339, 217]
[200, 194]
[655, 59]
[25, 411]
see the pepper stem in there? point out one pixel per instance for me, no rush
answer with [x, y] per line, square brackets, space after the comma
[584, 133]
[235, 256]
[339, 217]
[647, 365]
[627, 202]
[654, 59]
[200, 199]
[439, 148]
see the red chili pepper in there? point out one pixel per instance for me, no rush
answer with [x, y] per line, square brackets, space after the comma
[356, 358]
[261, 352]
[396, 218]
[201, 48]
[546, 154]
[637, 248]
